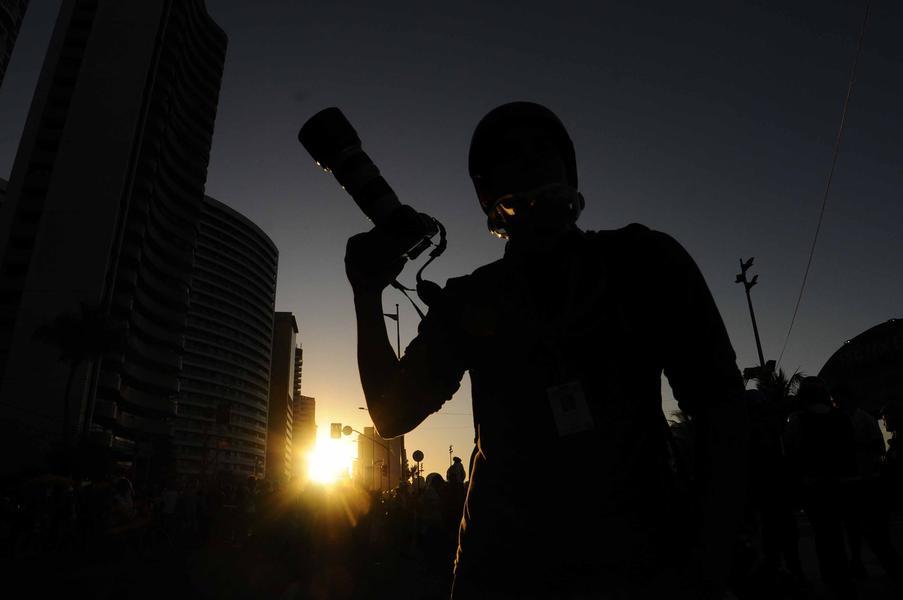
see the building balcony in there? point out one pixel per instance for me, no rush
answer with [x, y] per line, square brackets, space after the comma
[102, 438]
[127, 277]
[159, 404]
[171, 338]
[106, 410]
[144, 424]
[168, 383]
[109, 380]
[123, 445]
[164, 285]
[159, 354]
[174, 318]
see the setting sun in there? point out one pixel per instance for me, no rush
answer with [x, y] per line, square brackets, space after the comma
[330, 460]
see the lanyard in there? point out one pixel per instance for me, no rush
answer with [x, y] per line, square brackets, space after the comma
[577, 309]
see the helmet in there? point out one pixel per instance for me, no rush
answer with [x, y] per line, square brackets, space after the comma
[491, 129]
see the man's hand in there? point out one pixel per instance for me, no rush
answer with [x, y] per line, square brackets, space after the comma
[372, 261]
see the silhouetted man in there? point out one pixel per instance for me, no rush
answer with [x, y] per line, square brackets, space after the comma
[455, 474]
[867, 514]
[565, 339]
[819, 443]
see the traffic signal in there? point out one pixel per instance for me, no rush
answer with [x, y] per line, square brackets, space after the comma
[335, 431]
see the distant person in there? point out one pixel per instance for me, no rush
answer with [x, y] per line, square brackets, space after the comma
[892, 468]
[453, 500]
[820, 446]
[455, 474]
[772, 494]
[565, 339]
[867, 436]
[865, 516]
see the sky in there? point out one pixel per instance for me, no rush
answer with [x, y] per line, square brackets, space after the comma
[713, 121]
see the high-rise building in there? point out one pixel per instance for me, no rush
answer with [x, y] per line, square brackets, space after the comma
[11, 14]
[102, 211]
[299, 368]
[225, 378]
[280, 450]
[304, 430]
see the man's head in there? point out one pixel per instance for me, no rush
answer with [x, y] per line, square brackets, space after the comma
[524, 169]
[813, 390]
[892, 414]
[844, 398]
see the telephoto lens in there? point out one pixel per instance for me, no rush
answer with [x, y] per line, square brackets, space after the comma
[331, 140]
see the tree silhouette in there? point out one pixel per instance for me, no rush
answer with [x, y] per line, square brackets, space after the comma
[80, 337]
[779, 389]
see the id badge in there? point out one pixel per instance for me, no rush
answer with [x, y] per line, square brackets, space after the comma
[570, 409]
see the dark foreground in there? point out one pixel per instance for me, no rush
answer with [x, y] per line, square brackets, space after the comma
[326, 545]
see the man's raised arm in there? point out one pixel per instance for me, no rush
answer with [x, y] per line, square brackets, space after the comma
[400, 394]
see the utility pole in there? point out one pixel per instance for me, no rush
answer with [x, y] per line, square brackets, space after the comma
[450, 448]
[747, 284]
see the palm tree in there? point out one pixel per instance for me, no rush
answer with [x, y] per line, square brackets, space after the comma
[80, 337]
[778, 388]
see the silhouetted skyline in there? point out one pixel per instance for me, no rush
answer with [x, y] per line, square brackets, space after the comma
[713, 122]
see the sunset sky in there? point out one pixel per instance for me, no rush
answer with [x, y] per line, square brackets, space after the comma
[712, 121]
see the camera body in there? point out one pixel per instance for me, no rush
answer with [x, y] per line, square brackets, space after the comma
[334, 144]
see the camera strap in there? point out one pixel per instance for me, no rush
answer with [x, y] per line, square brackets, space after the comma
[427, 291]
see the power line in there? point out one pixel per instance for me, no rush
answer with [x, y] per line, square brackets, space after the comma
[824, 201]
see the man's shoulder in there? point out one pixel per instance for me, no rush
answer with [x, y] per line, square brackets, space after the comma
[637, 246]
[631, 244]
[480, 278]
[632, 237]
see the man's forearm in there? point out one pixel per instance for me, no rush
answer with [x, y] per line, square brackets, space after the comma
[376, 360]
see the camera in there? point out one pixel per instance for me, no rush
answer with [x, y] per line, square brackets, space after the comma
[334, 144]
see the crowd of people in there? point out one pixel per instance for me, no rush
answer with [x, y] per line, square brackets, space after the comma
[816, 457]
[816, 460]
[316, 538]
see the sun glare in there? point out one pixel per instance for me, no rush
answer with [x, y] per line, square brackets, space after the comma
[330, 460]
